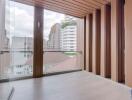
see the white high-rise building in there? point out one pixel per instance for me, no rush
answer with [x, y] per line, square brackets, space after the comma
[63, 36]
[69, 38]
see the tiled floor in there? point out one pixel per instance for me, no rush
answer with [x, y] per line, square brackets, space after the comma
[5, 91]
[72, 86]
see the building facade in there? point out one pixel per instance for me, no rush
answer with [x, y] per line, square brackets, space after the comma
[54, 38]
[69, 38]
[63, 36]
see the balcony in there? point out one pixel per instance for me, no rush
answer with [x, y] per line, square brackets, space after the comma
[66, 49]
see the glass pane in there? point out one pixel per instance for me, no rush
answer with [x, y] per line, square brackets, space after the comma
[6, 88]
[61, 61]
[21, 39]
[4, 39]
[63, 50]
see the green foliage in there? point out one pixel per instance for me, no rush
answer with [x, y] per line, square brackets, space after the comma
[64, 24]
[72, 53]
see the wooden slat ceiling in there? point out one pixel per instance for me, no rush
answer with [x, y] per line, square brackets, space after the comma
[77, 8]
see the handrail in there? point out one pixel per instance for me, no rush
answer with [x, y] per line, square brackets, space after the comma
[30, 51]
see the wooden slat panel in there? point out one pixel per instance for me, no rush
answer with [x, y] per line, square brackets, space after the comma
[101, 1]
[66, 7]
[60, 9]
[89, 3]
[62, 4]
[55, 8]
[77, 8]
[65, 11]
[83, 3]
[72, 4]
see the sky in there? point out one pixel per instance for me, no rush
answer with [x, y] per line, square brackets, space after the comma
[21, 20]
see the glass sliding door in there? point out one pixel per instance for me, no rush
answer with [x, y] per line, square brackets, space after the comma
[62, 51]
[63, 42]
[5, 88]
[21, 40]
[4, 56]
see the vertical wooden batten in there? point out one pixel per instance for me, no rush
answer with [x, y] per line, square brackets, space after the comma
[38, 43]
[96, 41]
[90, 41]
[106, 41]
[89, 26]
[121, 43]
[128, 42]
[87, 42]
[85, 52]
[117, 41]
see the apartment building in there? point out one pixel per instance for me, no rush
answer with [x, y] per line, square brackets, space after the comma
[69, 38]
[54, 37]
[63, 38]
